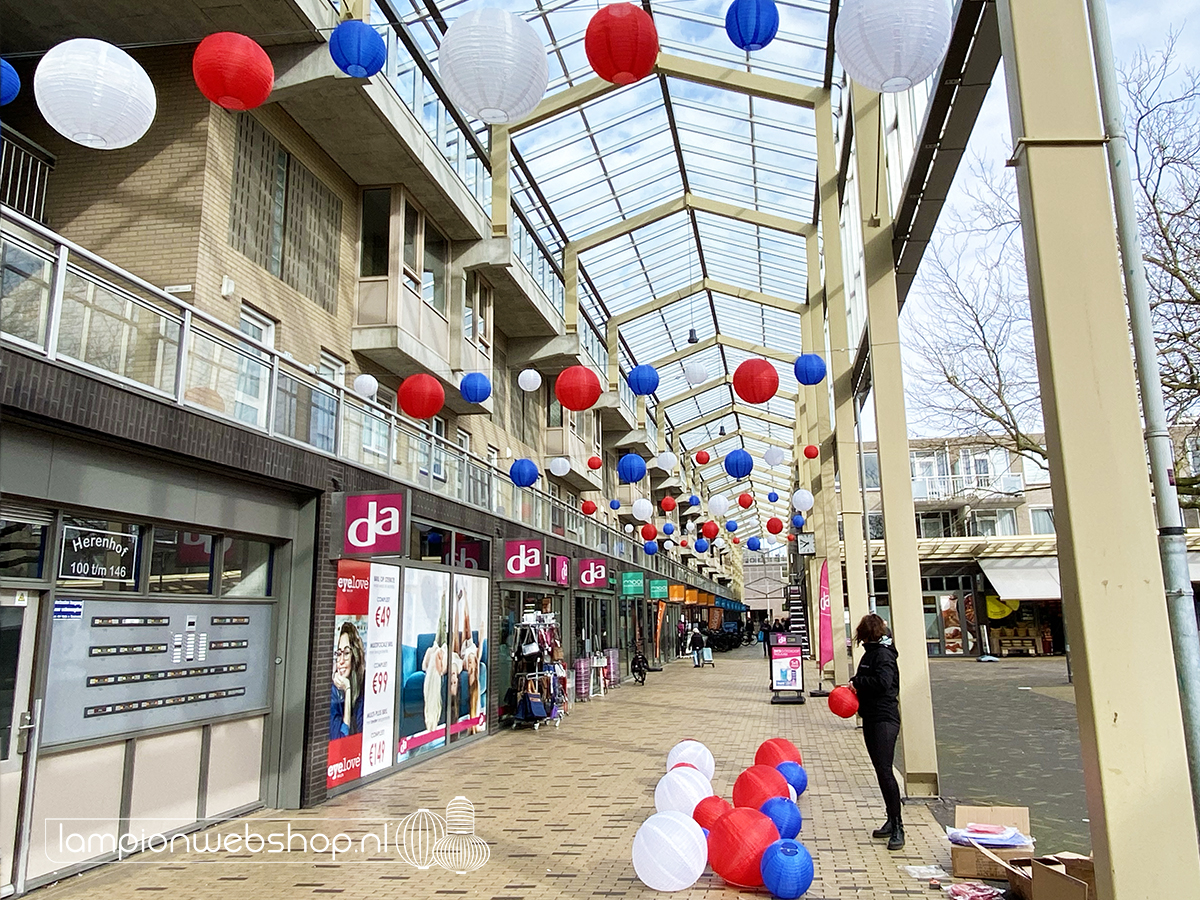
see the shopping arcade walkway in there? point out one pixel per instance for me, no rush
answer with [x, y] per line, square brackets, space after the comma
[560, 807]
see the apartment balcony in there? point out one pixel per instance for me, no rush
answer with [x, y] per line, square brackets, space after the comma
[564, 441]
[958, 491]
[25, 169]
[528, 309]
[618, 413]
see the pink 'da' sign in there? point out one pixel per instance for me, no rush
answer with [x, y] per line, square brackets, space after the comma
[593, 573]
[523, 559]
[373, 523]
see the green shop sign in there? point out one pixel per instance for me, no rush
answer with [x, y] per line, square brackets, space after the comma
[633, 583]
[658, 589]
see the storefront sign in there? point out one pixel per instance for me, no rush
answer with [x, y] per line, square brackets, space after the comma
[523, 559]
[593, 573]
[691, 596]
[675, 593]
[560, 569]
[786, 673]
[95, 554]
[633, 583]
[658, 589]
[373, 523]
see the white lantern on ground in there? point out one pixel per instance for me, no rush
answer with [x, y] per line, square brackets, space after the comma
[643, 509]
[891, 45]
[802, 500]
[718, 506]
[667, 461]
[681, 789]
[669, 851]
[693, 753]
[773, 456]
[94, 94]
[366, 386]
[529, 380]
[560, 466]
[695, 373]
[493, 65]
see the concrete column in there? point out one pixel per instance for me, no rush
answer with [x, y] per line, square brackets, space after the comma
[500, 145]
[841, 360]
[1142, 824]
[895, 473]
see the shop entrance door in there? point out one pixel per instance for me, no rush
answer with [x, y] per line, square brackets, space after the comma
[18, 626]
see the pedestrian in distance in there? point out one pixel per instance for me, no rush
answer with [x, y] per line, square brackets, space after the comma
[877, 683]
[696, 646]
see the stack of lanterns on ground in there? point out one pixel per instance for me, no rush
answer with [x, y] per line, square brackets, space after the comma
[750, 844]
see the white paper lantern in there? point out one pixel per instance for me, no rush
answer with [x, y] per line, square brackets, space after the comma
[643, 509]
[681, 789]
[719, 543]
[694, 753]
[791, 793]
[695, 373]
[669, 851]
[667, 461]
[802, 500]
[366, 386]
[718, 506]
[493, 65]
[691, 526]
[629, 529]
[560, 466]
[891, 45]
[529, 380]
[773, 456]
[668, 545]
[95, 94]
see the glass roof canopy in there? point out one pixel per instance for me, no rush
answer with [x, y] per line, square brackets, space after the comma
[641, 146]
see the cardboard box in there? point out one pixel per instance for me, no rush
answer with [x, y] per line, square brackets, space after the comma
[971, 862]
[1082, 868]
[1051, 884]
[1020, 874]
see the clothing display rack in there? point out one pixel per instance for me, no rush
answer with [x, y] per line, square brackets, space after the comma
[539, 680]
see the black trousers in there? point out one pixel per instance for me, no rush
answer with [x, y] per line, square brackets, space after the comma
[880, 738]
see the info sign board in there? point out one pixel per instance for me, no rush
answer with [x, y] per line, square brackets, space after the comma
[95, 554]
[633, 584]
[787, 666]
[658, 589]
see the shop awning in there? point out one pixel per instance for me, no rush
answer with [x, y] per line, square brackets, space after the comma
[1194, 566]
[1024, 577]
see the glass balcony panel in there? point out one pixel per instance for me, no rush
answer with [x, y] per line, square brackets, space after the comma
[25, 291]
[227, 381]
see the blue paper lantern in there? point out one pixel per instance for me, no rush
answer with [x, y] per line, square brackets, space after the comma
[798, 521]
[731, 526]
[752, 24]
[10, 83]
[631, 468]
[693, 500]
[523, 472]
[773, 497]
[643, 380]
[785, 814]
[753, 543]
[787, 869]
[701, 545]
[651, 547]
[810, 368]
[794, 774]
[475, 386]
[668, 528]
[357, 49]
[739, 463]
[614, 504]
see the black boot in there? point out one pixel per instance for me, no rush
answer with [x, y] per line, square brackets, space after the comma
[896, 841]
[885, 830]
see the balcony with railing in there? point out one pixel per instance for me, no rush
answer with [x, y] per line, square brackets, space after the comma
[64, 304]
[25, 169]
[959, 490]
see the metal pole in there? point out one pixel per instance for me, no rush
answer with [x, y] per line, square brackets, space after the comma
[1172, 545]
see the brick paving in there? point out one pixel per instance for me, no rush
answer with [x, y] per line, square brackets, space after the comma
[559, 806]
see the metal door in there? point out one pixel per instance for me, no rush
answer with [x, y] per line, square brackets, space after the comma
[18, 737]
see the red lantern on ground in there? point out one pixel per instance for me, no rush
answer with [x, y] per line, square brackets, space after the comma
[649, 532]
[710, 809]
[757, 785]
[702, 458]
[577, 388]
[595, 463]
[774, 524]
[710, 530]
[756, 380]
[667, 503]
[745, 501]
[776, 750]
[621, 43]
[736, 843]
[588, 507]
[812, 451]
[233, 71]
[842, 702]
[421, 396]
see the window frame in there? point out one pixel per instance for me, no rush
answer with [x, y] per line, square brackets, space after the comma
[1033, 520]
[412, 277]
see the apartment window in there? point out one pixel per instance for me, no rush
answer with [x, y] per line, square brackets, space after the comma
[871, 471]
[375, 430]
[993, 523]
[250, 399]
[1035, 469]
[323, 421]
[875, 526]
[437, 426]
[934, 524]
[1193, 454]
[1041, 519]
[283, 217]
[554, 413]
[426, 259]
[376, 232]
[477, 314]
[463, 439]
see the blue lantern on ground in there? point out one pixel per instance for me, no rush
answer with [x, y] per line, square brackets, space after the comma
[701, 545]
[810, 368]
[794, 774]
[631, 468]
[785, 814]
[357, 49]
[787, 869]
[798, 521]
[651, 547]
[523, 472]
[668, 528]
[753, 543]
[643, 380]
[739, 463]
[10, 83]
[693, 500]
[614, 504]
[773, 497]
[752, 24]
[475, 386]
[731, 526]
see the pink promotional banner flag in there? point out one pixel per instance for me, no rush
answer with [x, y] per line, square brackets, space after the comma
[826, 633]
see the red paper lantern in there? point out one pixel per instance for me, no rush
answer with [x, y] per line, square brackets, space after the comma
[737, 540]
[812, 451]
[421, 396]
[595, 463]
[702, 458]
[776, 750]
[621, 43]
[745, 501]
[774, 524]
[577, 388]
[710, 809]
[756, 380]
[710, 530]
[842, 702]
[588, 507]
[791, 537]
[757, 785]
[683, 542]
[649, 532]
[233, 71]
[736, 842]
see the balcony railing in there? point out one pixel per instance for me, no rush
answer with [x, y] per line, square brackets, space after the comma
[24, 173]
[627, 396]
[959, 487]
[62, 303]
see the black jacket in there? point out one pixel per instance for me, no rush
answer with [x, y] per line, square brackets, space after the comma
[696, 642]
[877, 682]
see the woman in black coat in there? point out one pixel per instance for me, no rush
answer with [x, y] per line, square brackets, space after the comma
[877, 683]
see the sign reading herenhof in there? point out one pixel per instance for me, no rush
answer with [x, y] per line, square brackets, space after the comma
[92, 553]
